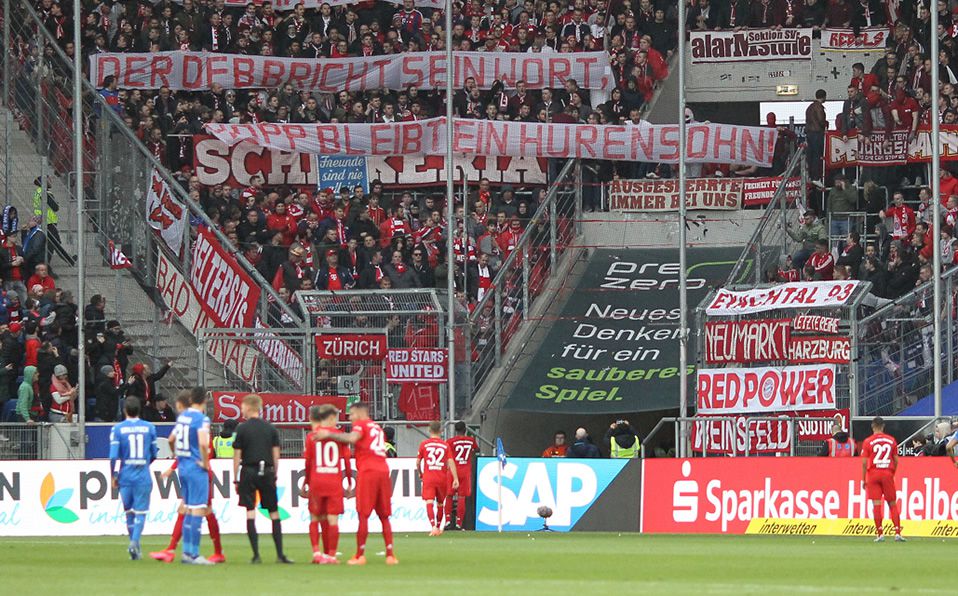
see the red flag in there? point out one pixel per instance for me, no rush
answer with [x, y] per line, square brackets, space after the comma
[118, 260]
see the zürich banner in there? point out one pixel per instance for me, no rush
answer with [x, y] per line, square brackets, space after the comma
[706, 143]
[614, 346]
[199, 71]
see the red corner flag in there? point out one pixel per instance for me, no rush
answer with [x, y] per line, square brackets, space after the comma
[118, 260]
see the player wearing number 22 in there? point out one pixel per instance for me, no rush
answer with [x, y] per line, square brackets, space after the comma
[326, 462]
[373, 486]
[132, 449]
[433, 460]
[879, 462]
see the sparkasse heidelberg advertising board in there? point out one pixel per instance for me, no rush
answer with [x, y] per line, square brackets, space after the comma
[74, 498]
[796, 495]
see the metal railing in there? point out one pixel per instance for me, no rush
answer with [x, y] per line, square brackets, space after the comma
[695, 428]
[521, 279]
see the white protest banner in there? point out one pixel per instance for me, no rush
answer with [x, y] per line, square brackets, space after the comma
[750, 45]
[655, 196]
[198, 71]
[74, 498]
[236, 356]
[430, 170]
[280, 354]
[816, 323]
[740, 435]
[287, 5]
[226, 292]
[417, 365]
[165, 214]
[806, 294]
[844, 40]
[881, 149]
[215, 162]
[759, 390]
[706, 142]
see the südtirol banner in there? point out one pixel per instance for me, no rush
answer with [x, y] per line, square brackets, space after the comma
[750, 45]
[654, 196]
[199, 71]
[614, 345]
[706, 142]
[883, 149]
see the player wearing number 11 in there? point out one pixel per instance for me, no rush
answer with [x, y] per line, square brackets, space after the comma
[132, 450]
[879, 462]
[373, 486]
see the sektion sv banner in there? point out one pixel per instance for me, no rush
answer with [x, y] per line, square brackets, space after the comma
[759, 390]
[706, 143]
[199, 71]
[845, 40]
[750, 45]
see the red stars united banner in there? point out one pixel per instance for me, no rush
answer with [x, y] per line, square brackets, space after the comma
[652, 196]
[750, 45]
[881, 149]
[706, 142]
[198, 71]
[227, 293]
[771, 389]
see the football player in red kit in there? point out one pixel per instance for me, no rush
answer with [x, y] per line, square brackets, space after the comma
[463, 449]
[326, 463]
[432, 461]
[373, 486]
[879, 462]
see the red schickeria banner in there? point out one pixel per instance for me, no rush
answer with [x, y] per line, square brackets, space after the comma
[351, 345]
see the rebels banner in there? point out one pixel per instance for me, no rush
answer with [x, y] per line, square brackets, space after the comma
[713, 143]
[216, 162]
[845, 40]
[417, 365]
[746, 341]
[760, 191]
[165, 214]
[228, 294]
[812, 294]
[750, 45]
[351, 345]
[881, 149]
[199, 71]
[652, 196]
[725, 495]
[277, 407]
[759, 390]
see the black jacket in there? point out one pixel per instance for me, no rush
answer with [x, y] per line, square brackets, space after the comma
[583, 449]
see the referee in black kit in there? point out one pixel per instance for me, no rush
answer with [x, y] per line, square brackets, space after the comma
[255, 462]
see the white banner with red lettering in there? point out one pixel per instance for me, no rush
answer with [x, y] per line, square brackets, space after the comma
[844, 40]
[165, 214]
[227, 293]
[430, 170]
[759, 390]
[750, 45]
[881, 149]
[417, 365]
[741, 435]
[712, 143]
[199, 71]
[238, 357]
[656, 196]
[761, 191]
[806, 294]
[215, 162]
[286, 5]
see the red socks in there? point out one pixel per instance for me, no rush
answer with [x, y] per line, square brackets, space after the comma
[431, 513]
[387, 535]
[214, 527]
[878, 511]
[324, 525]
[332, 540]
[177, 532]
[314, 536]
[448, 507]
[895, 518]
[362, 533]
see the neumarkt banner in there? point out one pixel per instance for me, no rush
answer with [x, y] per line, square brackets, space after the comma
[615, 347]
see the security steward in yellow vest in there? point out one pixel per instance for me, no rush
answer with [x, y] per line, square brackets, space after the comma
[623, 441]
[223, 442]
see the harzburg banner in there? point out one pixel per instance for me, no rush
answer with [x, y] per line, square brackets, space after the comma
[652, 196]
[706, 143]
[881, 149]
[761, 390]
[802, 350]
[746, 341]
[614, 347]
[165, 214]
[845, 40]
[811, 294]
[226, 292]
[750, 45]
[199, 71]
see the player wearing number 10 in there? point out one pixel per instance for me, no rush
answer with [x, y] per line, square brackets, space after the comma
[373, 486]
[132, 450]
[879, 462]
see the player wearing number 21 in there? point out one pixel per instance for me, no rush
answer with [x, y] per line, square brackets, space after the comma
[373, 487]
[879, 462]
[433, 460]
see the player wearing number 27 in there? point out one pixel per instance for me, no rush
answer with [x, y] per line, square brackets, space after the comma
[373, 486]
[132, 450]
[879, 462]
[433, 460]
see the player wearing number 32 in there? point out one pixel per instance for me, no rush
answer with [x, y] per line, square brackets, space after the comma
[132, 449]
[879, 462]
[373, 486]
[433, 460]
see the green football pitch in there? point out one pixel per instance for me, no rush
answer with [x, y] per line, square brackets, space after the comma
[457, 563]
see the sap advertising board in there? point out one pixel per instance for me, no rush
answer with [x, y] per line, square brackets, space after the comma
[584, 494]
